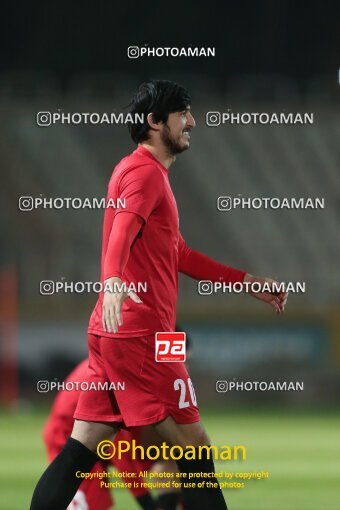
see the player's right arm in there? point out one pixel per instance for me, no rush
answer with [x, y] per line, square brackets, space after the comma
[125, 228]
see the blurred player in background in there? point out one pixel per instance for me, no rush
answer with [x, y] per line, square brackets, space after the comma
[142, 244]
[58, 428]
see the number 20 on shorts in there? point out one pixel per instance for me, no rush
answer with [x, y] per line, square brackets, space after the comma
[183, 401]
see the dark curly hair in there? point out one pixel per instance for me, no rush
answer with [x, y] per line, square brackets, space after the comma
[159, 97]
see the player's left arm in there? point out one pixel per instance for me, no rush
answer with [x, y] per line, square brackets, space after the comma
[200, 267]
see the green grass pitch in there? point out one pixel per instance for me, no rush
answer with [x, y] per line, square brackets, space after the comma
[301, 451]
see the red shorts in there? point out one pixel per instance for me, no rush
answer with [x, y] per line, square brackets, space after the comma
[151, 390]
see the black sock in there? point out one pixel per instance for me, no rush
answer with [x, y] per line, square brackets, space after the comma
[169, 500]
[58, 484]
[205, 498]
[147, 502]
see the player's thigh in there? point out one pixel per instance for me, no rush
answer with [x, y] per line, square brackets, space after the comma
[182, 434]
[90, 433]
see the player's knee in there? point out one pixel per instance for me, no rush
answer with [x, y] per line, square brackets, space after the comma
[194, 437]
[91, 433]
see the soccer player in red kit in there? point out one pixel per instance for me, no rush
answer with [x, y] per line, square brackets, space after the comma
[56, 431]
[142, 243]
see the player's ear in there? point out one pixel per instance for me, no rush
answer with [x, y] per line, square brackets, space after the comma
[150, 120]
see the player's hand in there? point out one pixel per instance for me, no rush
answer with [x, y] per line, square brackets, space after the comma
[113, 303]
[277, 300]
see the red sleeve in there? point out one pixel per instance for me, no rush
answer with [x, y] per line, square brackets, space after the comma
[125, 227]
[142, 188]
[200, 267]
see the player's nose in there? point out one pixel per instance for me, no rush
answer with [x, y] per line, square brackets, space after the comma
[191, 121]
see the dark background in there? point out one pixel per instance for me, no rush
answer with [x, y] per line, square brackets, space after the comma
[296, 39]
[270, 56]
